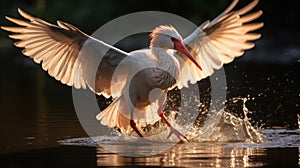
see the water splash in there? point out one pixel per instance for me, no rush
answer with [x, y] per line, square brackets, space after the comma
[219, 126]
[229, 128]
[224, 125]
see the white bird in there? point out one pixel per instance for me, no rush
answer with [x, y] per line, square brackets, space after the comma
[171, 61]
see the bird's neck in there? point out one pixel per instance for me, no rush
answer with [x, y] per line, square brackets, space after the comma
[166, 62]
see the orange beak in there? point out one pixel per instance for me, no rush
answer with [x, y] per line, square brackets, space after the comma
[179, 46]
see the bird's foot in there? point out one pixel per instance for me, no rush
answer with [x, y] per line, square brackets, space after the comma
[174, 131]
[179, 135]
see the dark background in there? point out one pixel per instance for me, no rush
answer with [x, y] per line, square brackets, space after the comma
[268, 74]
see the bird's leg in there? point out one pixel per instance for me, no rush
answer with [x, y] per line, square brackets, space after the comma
[172, 129]
[133, 124]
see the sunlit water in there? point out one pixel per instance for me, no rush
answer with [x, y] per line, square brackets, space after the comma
[278, 144]
[233, 143]
[274, 138]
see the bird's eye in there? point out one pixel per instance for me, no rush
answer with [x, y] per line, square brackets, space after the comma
[174, 39]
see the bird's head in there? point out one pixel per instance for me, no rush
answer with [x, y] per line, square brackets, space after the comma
[167, 37]
[162, 37]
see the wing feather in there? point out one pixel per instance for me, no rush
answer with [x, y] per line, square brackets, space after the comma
[57, 49]
[218, 42]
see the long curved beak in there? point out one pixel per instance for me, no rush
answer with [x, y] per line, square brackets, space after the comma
[179, 46]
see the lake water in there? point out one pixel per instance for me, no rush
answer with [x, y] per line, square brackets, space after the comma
[39, 126]
[280, 150]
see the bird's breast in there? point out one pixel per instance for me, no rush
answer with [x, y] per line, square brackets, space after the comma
[164, 79]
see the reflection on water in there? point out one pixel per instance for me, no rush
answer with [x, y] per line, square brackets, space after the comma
[206, 155]
[190, 155]
[281, 148]
[182, 155]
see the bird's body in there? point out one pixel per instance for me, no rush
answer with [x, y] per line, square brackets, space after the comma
[138, 81]
[156, 70]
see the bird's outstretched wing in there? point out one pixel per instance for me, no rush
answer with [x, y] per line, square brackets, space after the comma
[68, 54]
[218, 42]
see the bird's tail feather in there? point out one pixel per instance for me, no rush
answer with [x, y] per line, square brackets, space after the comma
[109, 116]
[114, 117]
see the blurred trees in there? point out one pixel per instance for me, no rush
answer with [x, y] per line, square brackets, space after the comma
[91, 14]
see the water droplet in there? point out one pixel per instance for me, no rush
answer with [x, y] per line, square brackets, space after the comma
[29, 138]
